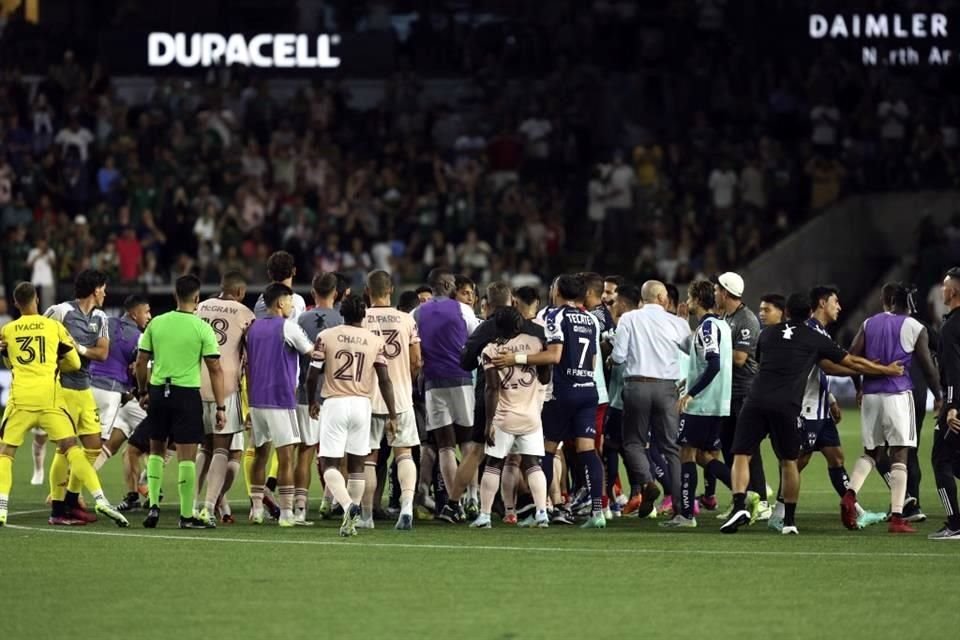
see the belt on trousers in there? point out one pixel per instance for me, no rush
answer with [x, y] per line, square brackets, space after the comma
[645, 379]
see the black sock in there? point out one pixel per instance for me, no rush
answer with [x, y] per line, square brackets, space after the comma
[709, 483]
[57, 509]
[789, 513]
[739, 501]
[758, 477]
[611, 463]
[839, 480]
[547, 464]
[688, 489]
[593, 478]
[718, 471]
[133, 496]
[271, 484]
[72, 500]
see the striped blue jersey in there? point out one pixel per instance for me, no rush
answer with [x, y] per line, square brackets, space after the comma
[576, 330]
[816, 395]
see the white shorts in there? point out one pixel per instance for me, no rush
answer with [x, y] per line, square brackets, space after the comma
[406, 436]
[450, 405]
[278, 426]
[237, 443]
[108, 404]
[528, 444]
[234, 422]
[345, 427]
[129, 417]
[888, 418]
[307, 427]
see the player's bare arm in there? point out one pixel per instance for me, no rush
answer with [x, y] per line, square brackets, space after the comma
[491, 398]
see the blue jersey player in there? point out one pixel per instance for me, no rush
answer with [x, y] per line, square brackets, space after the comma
[570, 411]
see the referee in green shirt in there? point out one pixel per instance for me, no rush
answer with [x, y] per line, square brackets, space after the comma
[177, 342]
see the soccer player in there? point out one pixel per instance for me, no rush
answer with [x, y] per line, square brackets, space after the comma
[178, 342]
[946, 434]
[88, 326]
[444, 325]
[771, 309]
[349, 356]
[465, 290]
[887, 413]
[402, 353]
[593, 302]
[745, 329]
[571, 412]
[37, 349]
[111, 379]
[627, 299]
[513, 421]
[611, 284]
[281, 269]
[424, 293]
[322, 316]
[706, 401]
[788, 352]
[230, 319]
[821, 413]
[273, 343]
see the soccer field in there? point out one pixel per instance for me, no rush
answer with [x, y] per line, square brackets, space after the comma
[632, 579]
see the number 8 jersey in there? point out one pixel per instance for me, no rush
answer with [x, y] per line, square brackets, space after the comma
[229, 320]
[576, 330]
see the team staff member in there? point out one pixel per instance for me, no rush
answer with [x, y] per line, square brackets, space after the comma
[946, 435]
[178, 342]
[788, 352]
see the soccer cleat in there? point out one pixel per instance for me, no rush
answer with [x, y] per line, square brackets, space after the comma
[790, 531]
[363, 523]
[287, 522]
[131, 502]
[753, 504]
[666, 507]
[272, 507]
[595, 522]
[473, 510]
[765, 512]
[510, 518]
[348, 526]
[912, 511]
[65, 521]
[325, 509]
[482, 521]
[616, 509]
[336, 511]
[649, 495]
[79, 513]
[450, 514]
[542, 522]
[227, 518]
[404, 522]
[848, 510]
[899, 525]
[420, 512]
[256, 516]
[725, 514]
[581, 499]
[37, 478]
[632, 505]
[153, 517]
[207, 519]
[737, 519]
[870, 518]
[679, 522]
[608, 513]
[300, 519]
[708, 503]
[191, 523]
[946, 532]
[775, 523]
[562, 516]
[104, 509]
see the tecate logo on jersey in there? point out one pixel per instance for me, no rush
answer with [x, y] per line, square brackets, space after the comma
[265, 50]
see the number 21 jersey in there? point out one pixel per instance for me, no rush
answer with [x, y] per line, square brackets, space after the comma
[229, 320]
[347, 355]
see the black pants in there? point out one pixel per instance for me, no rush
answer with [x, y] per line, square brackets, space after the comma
[758, 478]
[946, 468]
[914, 475]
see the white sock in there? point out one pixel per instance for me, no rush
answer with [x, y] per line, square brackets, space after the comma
[105, 454]
[369, 489]
[861, 469]
[338, 488]
[898, 486]
[407, 476]
[779, 511]
[355, 485]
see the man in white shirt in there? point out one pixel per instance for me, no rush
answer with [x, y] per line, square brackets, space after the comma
[648, 341]
[42, 261]
[723, 184]
[75, 136]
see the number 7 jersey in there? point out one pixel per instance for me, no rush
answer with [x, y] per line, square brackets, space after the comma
[399, 333]
[576, 330]
[347, 355]
[34, 345]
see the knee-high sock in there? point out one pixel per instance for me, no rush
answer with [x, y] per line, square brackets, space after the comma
[272, 468]
[407, 478]
[80, 465]
[369, 489]
[186, 486]
[6, 481]
[334, 481]
[203, 461]
[537, 481]
[216, 478]
[39, 456]
[448, 469]
[861, 469]
[154, 478]
[839, 480]
[709, 483]
[285, 494]
[248, 456]
[488, 489]
[547, 465]
[233, 469]
[509, 480]
[105, 454]
[75, 484]
[593, 478]
[355, 485]
[719, 471]
[59, 471]
[688, 488]
[898, 487]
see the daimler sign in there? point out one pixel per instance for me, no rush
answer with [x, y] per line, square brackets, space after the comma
[264, 50]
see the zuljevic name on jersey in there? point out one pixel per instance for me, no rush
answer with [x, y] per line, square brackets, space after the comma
[576, 330]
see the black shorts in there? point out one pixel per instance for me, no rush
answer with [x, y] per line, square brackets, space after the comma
[700, 432]
[819, 434]
[782, 424]
[568, 418]
[177, 416]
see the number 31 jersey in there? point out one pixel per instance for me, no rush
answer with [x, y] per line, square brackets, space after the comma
[399, 333]
[229, 320]
[347, 355]
[34, 344]
[575, 329]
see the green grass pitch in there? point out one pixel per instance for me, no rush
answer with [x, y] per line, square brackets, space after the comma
[631, 580]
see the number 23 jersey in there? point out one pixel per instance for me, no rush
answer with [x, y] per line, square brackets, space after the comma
[229, 320]
[347, 355]
[34, 345]
[518, 405]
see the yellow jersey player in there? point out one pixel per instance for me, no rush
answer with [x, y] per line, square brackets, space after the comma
[37, 349]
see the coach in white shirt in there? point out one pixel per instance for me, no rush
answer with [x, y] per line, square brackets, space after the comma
[648, 342]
